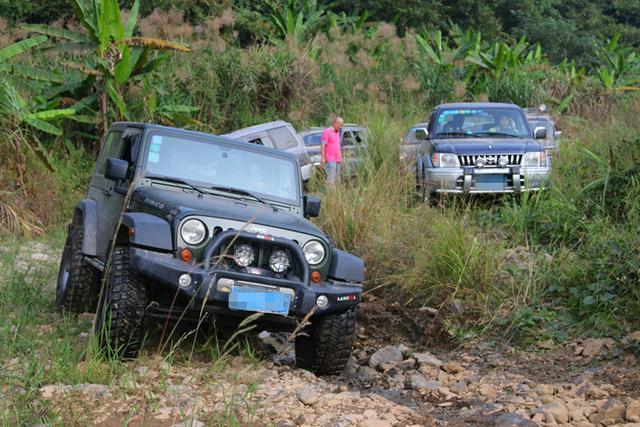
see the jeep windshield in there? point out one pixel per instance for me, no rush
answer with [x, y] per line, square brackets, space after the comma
[480, 123]
[221, 167]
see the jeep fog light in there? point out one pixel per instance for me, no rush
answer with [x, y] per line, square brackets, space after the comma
[184, 280]
[225, 285]
[279, 261]
[322, 301]
[243, 255]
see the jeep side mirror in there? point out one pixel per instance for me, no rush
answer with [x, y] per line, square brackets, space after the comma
[311, 206]
[116, 169]
[540, 133]
[421, 133]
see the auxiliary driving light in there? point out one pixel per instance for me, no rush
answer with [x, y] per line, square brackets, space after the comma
[279, 261]
[503, 162]
[184, 280]
[243, 255]
[322, 301]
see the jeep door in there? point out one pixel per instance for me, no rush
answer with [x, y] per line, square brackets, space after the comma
[117, 144]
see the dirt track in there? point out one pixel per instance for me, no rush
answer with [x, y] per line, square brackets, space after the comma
[402, 373]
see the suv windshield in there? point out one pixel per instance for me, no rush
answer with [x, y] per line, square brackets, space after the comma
[480, 122]
[208, 164]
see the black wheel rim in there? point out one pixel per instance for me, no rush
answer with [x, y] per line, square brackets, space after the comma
[63, 275]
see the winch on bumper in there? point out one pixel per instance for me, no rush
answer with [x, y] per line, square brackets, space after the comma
[212, 283]
[470, 179]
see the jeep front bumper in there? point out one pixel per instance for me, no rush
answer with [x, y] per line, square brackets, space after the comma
[512, 179]
[207, 284]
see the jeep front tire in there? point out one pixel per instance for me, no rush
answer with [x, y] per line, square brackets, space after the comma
[78, 283]
[119, 323]
[327, 345]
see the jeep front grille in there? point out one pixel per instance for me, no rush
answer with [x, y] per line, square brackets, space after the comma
[490, 161]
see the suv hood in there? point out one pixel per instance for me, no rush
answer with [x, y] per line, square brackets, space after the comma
[471, 146]
[180, 202]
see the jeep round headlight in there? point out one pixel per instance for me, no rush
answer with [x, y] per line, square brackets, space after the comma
[243, 255]
[193, 231]
[279, 261]
[313, 252]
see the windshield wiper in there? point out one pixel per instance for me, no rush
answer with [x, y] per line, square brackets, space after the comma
[241, 192]
[510, 135]
[177, 181]
[453, 134]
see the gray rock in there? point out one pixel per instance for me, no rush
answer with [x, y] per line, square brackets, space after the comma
[367, 375]
[407, 364]
[307, 395]
[427, 359]
[418, 382]
[386, 354]
[512, 420]
[557, 410]
[406, 351]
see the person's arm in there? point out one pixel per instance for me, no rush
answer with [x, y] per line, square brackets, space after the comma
[323, 144]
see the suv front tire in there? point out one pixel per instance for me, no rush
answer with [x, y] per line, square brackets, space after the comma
[327, 345]
[119, 323]
[78, 283]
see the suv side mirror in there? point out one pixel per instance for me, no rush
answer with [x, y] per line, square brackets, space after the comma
[557, 134]
[116, 169]
[540, 133]
[311, 206]
[421, 133]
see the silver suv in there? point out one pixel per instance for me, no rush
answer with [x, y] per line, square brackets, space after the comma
[279, 135]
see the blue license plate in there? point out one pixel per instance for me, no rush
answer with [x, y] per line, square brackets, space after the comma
[491, 182]
[259, 300]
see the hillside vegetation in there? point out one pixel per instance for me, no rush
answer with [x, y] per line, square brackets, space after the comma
[547, 266]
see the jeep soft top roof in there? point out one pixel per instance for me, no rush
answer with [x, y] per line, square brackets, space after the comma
[221, 138]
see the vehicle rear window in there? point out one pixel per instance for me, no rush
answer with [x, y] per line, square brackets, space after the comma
[312, 139]
[283, 138]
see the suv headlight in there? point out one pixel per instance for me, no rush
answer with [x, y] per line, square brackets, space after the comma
[315, 158]
[193, 231]
[444, 160]
[313, 252]
[535, 158]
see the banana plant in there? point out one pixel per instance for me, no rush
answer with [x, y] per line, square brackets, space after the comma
[617, 66]
[35, 111]
[298, 20]
[113, 55]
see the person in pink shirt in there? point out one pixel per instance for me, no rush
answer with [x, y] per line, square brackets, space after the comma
[330, 152]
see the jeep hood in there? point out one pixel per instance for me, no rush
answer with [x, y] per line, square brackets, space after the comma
[471, 146]
[180, 202]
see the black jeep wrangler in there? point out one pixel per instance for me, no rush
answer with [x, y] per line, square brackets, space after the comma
[180, 222]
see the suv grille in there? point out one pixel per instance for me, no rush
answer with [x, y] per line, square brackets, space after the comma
[490, 161]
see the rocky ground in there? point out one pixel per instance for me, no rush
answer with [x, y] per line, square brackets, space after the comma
[589, 383]
[400, 374]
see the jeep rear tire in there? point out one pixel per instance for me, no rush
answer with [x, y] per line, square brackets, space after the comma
[78, 283]
[327, 347]
[119, 323]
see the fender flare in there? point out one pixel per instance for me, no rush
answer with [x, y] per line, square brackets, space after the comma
[346, 267]
[149, 231]
[88, 211]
